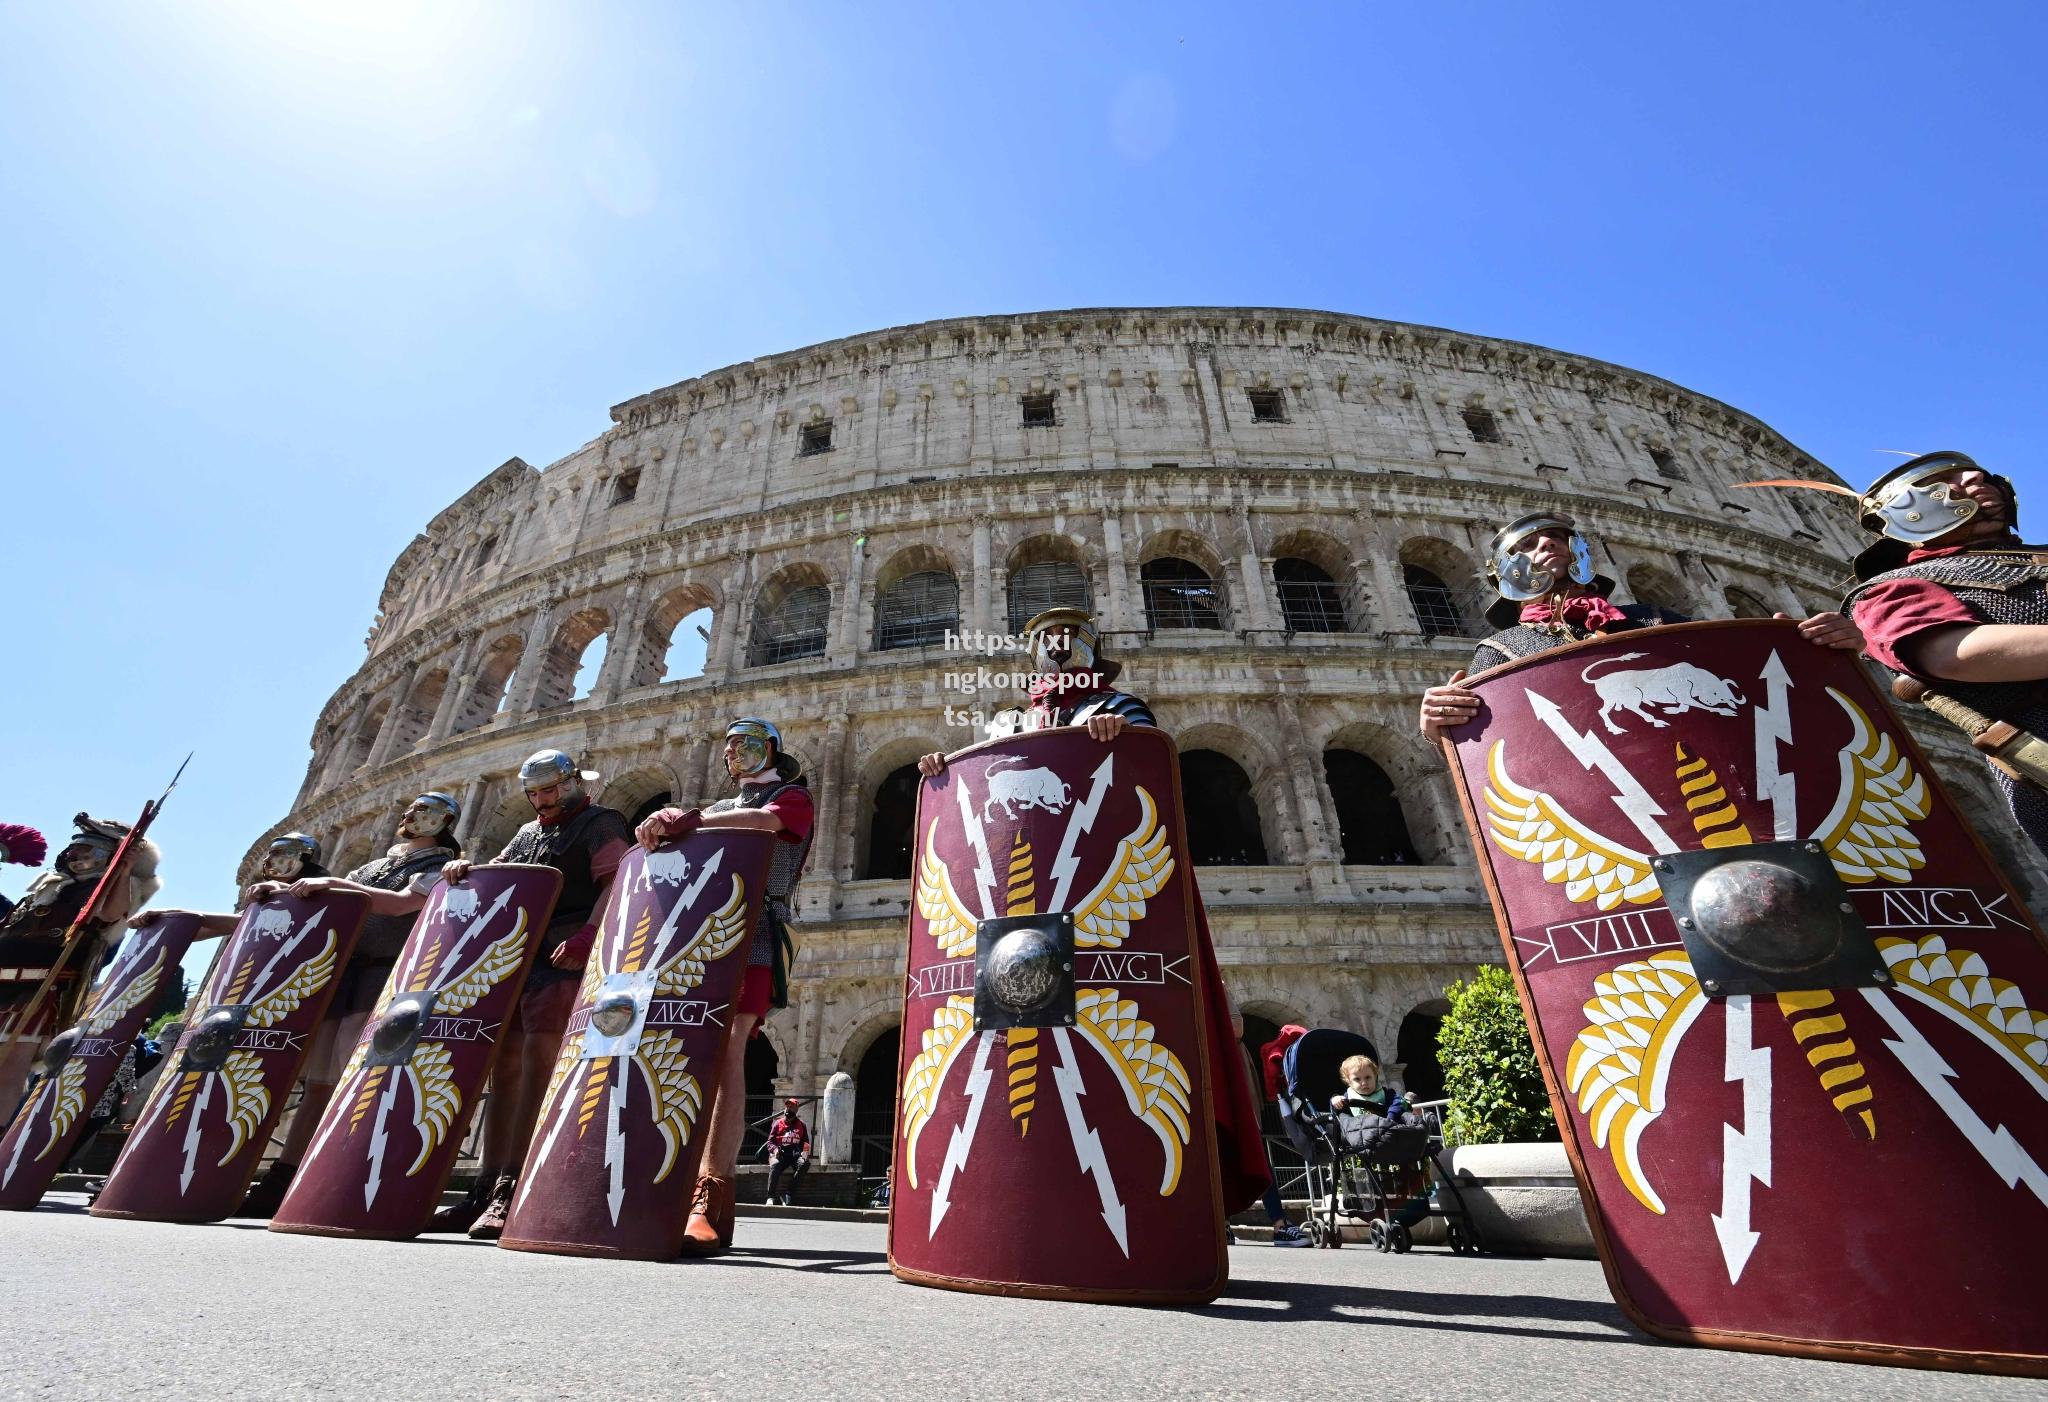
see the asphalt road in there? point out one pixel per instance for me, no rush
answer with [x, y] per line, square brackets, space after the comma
[106, 1309]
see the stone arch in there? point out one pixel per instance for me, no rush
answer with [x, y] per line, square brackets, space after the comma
[1045, 571]
[1372, 827]
[671, 648]
[1653, 584]
[1420, 786]
[493, 685]
[579, 634]
[1442, 586]
[792, 616]
[506, 817]
[1745, 603]
[1182, 581]
[1309, 569]
[883, 837]
[1416, 1050]
[917, 599]
[634, 790]
[363, 737]
[1224, 776]
[416, 712]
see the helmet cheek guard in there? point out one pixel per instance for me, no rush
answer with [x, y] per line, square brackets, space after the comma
[1515, 574]
[289, 854]
[756, 744]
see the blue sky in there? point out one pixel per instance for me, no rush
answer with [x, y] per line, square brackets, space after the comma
[282, 279]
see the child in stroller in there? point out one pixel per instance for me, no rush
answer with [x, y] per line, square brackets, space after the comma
[1368, 1155]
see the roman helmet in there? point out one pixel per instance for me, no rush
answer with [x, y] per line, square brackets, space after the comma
[288, 854]
[1515, 576]
[430, 815]
[760, 747]
[1067, 640]
[1907, 509]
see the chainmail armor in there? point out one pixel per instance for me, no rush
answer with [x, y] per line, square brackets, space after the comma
[1999, 587]
[1528, 639]
[785, 865]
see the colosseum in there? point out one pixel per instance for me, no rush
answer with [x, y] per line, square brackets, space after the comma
[1278, 516]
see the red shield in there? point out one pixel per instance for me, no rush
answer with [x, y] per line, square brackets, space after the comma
[54, 1115]
[201, 1136]
[390, 1134]
[1774, 1169]
[614, 1156]
[1075, 1158]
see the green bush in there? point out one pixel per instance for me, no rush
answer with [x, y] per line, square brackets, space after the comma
[1490, 1071]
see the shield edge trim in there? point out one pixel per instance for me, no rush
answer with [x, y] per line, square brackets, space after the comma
[1835, 1350]
[459, 1130]
[1220, 1279]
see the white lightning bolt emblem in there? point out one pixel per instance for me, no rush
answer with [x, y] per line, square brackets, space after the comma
[1774, 728]
[1586, 747]
[1087, 1143]
[1745, 1152]
[1066, 864]
[1996, 1146]
[963, 1136]
[14, 1159]
[984, 867]
[378, 1136]
[615, 1137]
[192, 1132]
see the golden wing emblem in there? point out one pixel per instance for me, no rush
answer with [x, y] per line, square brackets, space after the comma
[105, 1015]
[1620, 1066]
[1142, 867]
[572, 1046]
[947, 919]
[499, 961]
[676, 1095]
[241, 1076]
[951, 1030]
[435, 1100]
[362, 1048]
[1960, 985]
[717, 937]
[1155, 1084]
[1868, 833]
[1532, 826]
[306, 981]
[70, 1099]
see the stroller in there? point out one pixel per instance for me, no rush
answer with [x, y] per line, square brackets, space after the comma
[1363, 1167]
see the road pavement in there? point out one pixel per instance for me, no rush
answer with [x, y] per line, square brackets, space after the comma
[115, 1309]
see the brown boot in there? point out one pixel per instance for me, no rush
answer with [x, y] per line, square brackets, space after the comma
[462, 1216]
[711, 1218]
[266, 1195]
[491, 1224]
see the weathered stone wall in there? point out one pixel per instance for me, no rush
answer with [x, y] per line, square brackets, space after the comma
[700, 496]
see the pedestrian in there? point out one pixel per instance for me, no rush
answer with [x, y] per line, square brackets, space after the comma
[789, 1151]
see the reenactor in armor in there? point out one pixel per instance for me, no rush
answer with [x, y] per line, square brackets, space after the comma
[1550, 595]
[773, 797]
[585, 842]
[1953, 601]
[32, 939]
[397, 884]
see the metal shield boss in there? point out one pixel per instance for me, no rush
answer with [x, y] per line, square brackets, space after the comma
[1778, 990]
[613, 1162]
[1055, 1133]
[388, 1139]
[201, 1136]
[82, 1061]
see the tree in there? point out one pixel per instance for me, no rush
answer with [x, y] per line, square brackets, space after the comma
[170, 1003]
[1491, 1074]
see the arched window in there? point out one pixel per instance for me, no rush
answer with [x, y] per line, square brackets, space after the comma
[493, 684]
[1180, 594]
[762, 1067]
[416, 712]
[1369, 817]
[790, 624]
[1223, 817]
[1651, 585]
[588, 668]
[1416, 1048]
[890, 826]
[917, 610]
[365, 737]
[570, 664]
[1309, 600]
[648, 807]
[1744, 604]
[874, 1103]
[674, 640]
[687, 646]
[1047, 584]
[1436, 608]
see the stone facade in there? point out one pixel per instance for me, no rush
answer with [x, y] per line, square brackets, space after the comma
[1242, 443]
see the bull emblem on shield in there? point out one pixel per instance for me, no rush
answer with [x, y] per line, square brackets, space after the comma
[1683, 686]
[1032, 788]
[663, 869]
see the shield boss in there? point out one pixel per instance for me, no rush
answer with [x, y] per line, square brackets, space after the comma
[213, 1040]
[613, 1016]
[1766, 915]
[60, 1049]
[398, 1029]
[1024, 969]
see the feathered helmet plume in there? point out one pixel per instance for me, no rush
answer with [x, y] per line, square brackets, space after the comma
[22, 844]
